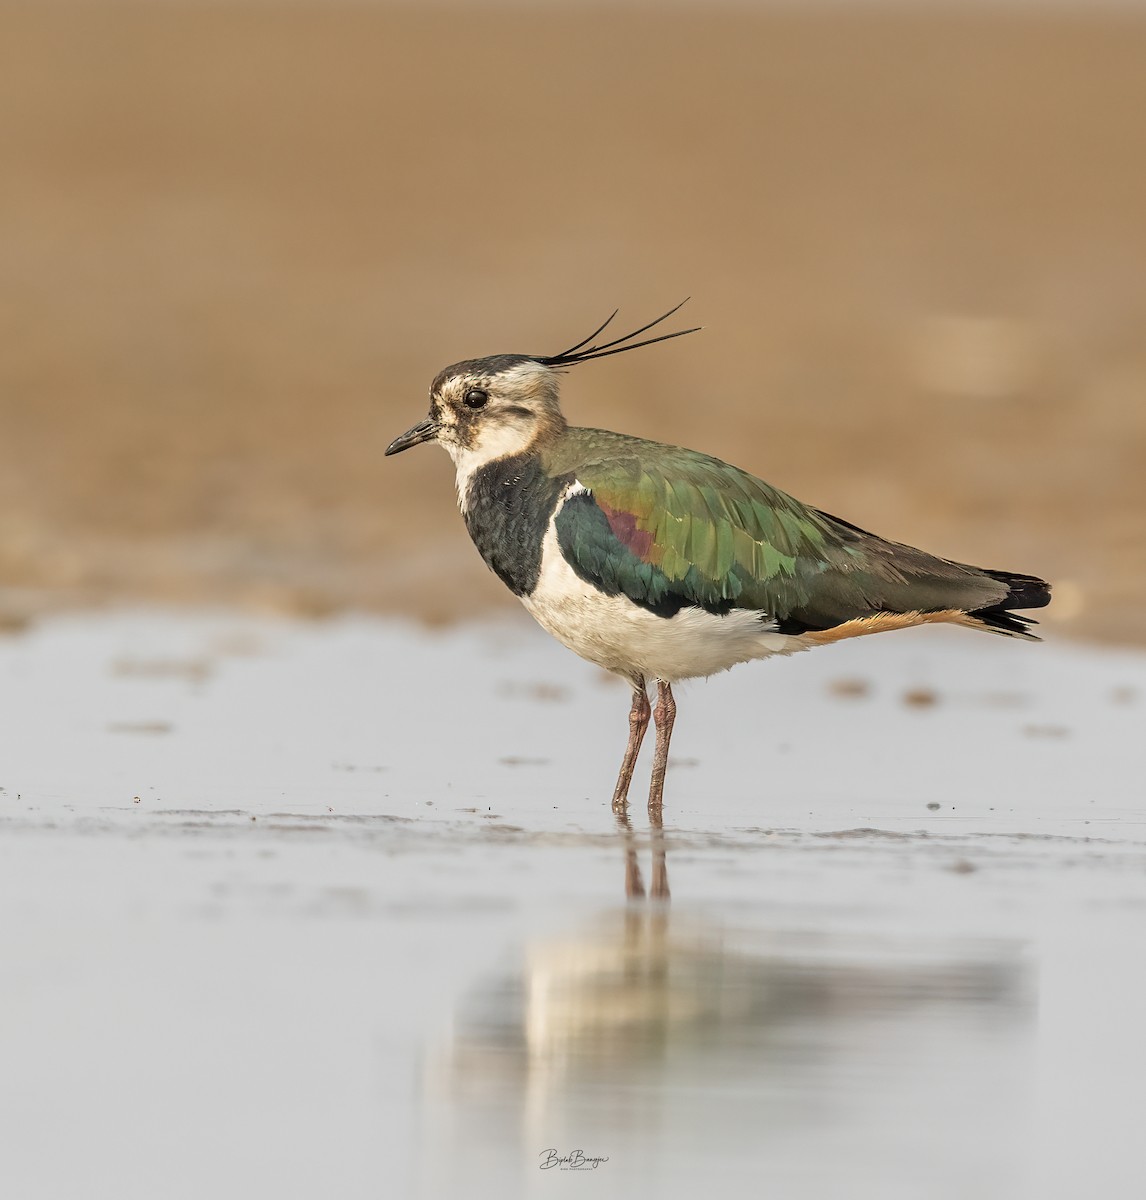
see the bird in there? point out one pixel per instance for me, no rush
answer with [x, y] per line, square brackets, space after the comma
[661, 564]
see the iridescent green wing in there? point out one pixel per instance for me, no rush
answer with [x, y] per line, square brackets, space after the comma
[671, 528]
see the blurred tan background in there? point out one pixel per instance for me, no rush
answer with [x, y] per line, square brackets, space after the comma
[237, 241]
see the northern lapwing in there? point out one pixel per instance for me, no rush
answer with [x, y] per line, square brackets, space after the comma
[660, 563]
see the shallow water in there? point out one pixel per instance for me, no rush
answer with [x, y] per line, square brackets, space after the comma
[296, 908]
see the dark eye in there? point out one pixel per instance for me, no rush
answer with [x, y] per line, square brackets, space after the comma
[476, 398]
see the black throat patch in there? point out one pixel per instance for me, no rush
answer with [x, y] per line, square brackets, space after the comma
[509, 504]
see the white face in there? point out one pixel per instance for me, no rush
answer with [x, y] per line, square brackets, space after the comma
[482, 414]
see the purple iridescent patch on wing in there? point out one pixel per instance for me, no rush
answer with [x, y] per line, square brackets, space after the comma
[628, 532]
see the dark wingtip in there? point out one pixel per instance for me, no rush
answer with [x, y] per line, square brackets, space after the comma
[999, 620]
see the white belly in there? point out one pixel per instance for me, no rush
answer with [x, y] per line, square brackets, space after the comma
[620, 636]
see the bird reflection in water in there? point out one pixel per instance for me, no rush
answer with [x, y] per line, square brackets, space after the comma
[677, 1044]
[634, 884]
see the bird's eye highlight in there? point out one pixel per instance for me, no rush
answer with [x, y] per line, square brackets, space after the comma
[476, 398]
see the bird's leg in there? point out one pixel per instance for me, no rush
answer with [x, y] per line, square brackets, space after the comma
[663, 716]
[638, 723]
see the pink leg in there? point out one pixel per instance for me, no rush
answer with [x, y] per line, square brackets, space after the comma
[663, 716]
[638, 723]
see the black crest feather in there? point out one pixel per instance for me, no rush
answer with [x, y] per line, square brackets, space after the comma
[587, 349]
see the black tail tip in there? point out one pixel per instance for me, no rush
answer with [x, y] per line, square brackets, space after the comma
[1023, 591]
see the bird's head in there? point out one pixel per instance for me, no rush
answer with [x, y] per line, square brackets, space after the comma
[488, 408]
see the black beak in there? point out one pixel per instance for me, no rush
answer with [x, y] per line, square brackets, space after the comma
[424, 431]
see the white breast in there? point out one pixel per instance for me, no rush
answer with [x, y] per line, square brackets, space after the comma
[620, 636]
